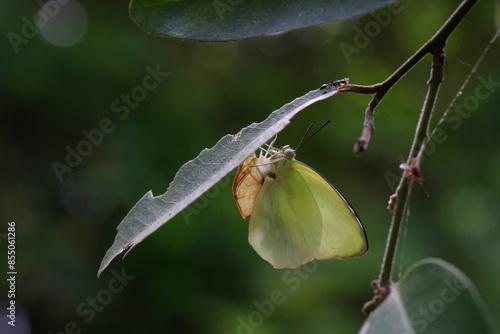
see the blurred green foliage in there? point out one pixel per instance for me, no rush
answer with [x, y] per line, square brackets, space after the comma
[198, 274]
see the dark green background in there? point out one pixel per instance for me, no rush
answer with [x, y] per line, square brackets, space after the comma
[198, 274]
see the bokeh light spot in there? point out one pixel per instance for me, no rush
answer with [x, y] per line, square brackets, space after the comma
[61, 23]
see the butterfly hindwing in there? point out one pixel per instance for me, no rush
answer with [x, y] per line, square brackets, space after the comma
[285, 226]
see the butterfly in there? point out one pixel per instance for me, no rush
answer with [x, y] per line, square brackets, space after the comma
[296, 215]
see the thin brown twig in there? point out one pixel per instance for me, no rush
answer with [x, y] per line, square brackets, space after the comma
[436, 42]
[399, 200]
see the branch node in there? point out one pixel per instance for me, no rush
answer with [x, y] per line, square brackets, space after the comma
[380, 293]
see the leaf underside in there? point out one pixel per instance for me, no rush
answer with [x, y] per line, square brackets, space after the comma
[227, 20]
[432, 297]
[197, 176]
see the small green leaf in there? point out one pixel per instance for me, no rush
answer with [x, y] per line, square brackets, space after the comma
[432, 297]
[226, 20]
[197, 176]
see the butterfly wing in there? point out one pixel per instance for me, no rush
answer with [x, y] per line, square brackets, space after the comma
[299, 216]
[285, 225]
[247, 184]
[343, 234]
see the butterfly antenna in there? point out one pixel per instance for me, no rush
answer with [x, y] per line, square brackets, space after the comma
[304, 136]
[302, 142]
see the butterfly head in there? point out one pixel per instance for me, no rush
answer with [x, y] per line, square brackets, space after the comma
[284, 152]
[288, 152]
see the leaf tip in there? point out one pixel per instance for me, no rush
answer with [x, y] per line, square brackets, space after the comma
[108, 258]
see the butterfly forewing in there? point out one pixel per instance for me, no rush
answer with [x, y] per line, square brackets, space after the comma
[343, 234]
